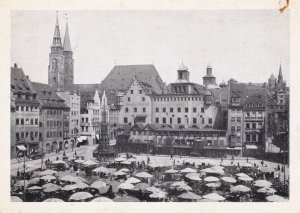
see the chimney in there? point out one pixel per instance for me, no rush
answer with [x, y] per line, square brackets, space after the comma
[15, 65]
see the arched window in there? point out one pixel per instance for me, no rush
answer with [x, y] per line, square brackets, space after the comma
[254, 105]
[259, 104]
[54, 64]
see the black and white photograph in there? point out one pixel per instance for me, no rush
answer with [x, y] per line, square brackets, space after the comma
[150, 105]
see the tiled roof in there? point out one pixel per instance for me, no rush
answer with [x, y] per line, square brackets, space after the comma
[220, 95]
[120, 77]
[48, 97]
[248, 93]
[20, 85]
[83, 87]
[19, 82]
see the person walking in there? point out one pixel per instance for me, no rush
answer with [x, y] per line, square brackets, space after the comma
[171, 156]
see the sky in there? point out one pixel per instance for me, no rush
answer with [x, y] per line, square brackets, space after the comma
[247, 45]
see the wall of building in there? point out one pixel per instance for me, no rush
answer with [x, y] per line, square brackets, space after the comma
[28, 132]
[135, 98]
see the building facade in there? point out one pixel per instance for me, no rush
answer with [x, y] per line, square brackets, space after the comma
[72, 100]
[25, 113]
[53, 114]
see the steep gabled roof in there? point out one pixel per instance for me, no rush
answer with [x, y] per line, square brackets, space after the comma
[48, 97]
[120, 77]
[83, 87]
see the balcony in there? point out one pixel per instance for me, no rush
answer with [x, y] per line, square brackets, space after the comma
[254, 118]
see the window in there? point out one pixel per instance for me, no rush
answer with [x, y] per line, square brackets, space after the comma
[164, 120]
[126, 110]
[125, 120]
[164, 109]
[22, 108]
[238, 119]
[171, 120]
[186, 109]
[238, 128]
[31, 121]
[17, 136]
[248, 137]
[22, 121]
[202, 109]
[157, 120]
[254, 138]
[194, 110]
[247, 114]
[253, 125]
[232, 119]
[171, 109]
[179, 120]
[22, 135]
[157, 109]
[143, 99]
[203, 121]
[140, 91]
[178, 109]
[17, 121]
[210, 121]
[36, 134]
[194, 120]
[128, 99]
[27, 121]
[131, 91]
[247, 125]
[232, 128]
[135, 109]
[27, 109]
[144, 109]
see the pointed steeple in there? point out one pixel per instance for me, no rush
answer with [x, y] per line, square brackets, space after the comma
[67, 43]
[280, 77]
[56, 36]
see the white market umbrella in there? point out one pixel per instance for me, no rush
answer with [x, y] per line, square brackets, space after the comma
[120, 159]
[266, 190]
[90, 163]
[240, 188]
[35, 188]
[15, 199]
[124, 170]
[213, 185]
[181, 186]
[158, 195]
[132, 180]
[245, 178]
[79, 185]
[80, 196]
[126, 162]
[229, 179]
[211, 179]
[98, 184]
[101, 169]
[188, 170]
[214, 196]
[262, 183]
[126, 186]
[47, 172]
[190, 196]
[193, 176]
[48, 177]
[52, 188]
[241, 174]
[59, 162]
[143, 175]
[153, 189]
[171, 171]
[79, 161]
[275, 198]
[118, 173]
[53, 200]
[102, 199]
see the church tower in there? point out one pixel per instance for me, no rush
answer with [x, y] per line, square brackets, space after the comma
[56, 65]
[69, 61]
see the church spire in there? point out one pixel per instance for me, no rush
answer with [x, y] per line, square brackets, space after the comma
[280, 77]
[67, 43]
[56, 37]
